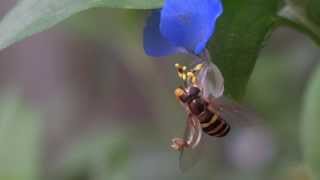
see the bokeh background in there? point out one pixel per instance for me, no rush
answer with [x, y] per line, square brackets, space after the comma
[82, 101]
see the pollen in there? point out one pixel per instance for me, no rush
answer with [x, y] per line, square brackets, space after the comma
[192, 77]
[198, 67]
[182, 71]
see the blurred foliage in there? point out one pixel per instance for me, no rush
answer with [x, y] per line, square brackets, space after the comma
[32, 16]
[20, 150]
[241, 34]
[96, 157]
[311, 124]
[298, 173]
[274, 90]
[314, 10]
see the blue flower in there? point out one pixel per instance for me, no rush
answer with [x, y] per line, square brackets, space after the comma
[181, 26]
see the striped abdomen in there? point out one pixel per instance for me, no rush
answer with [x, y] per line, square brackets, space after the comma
[211, 123]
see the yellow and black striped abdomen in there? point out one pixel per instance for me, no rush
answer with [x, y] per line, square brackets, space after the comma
[213, 124]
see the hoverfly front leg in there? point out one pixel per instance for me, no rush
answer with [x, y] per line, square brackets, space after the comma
[190, 137]
[179, 143]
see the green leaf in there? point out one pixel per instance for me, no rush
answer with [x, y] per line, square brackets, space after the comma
[311, 124]
[97, 156]
[241, 33]
[19, 139]
[32, 16]
[313, 10]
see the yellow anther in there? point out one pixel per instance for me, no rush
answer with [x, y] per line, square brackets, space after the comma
[184, 68]
[188, 75]
[194, 80]
[184, 76]
[180, 70]
[192, 77]
[178, 66]
[198, 67]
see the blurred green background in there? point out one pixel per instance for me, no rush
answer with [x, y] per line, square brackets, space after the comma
[82, 101]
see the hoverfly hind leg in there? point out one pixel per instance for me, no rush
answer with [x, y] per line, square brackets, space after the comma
[179, 144]
[192, 135]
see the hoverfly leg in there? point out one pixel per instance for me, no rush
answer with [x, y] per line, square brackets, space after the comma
[192, 135]
[179, 144]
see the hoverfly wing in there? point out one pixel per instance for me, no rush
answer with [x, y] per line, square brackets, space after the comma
[190, 155]
[232, 111]
[211, 80]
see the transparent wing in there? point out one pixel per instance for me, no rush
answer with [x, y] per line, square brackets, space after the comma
[190, 155]
[211, 80]
[232, 111]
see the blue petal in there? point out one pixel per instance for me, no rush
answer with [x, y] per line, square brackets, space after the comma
[153, 41]
[190, 23]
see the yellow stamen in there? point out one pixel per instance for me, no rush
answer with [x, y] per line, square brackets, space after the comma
[198, 67]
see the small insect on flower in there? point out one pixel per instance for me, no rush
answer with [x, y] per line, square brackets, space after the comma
[208, 110]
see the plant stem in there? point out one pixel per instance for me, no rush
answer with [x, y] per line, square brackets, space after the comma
[287, 22]
[296, 18]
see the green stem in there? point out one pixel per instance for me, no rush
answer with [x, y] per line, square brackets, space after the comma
[295, 17]
[303, 29]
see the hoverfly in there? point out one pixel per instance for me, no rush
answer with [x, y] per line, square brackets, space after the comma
[208, 110]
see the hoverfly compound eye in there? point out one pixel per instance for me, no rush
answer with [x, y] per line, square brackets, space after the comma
[194, 91]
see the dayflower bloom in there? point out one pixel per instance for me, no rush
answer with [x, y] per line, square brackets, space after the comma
[181, 26]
